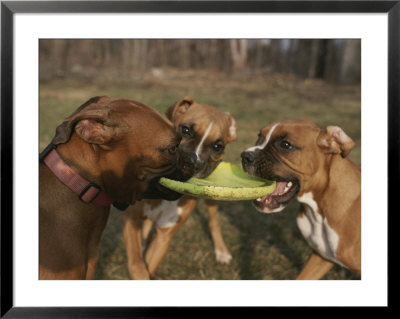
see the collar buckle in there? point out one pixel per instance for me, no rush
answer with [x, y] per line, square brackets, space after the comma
[88, 194]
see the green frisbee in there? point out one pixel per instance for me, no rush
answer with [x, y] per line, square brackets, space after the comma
[227, 182]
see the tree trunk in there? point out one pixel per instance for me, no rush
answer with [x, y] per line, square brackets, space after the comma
[238, 53]
[350, 70]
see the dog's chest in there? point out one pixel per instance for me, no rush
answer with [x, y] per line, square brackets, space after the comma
[164, 215]
[316, 230]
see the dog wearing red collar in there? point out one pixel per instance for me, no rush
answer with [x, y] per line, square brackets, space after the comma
[108, 150]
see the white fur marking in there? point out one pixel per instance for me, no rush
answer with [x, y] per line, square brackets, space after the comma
[222, 257]
[316, 230]
[267, 138]
[165, 215]
[232, 128]
[200, 146]
[275, 210]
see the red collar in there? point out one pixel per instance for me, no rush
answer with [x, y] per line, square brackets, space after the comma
[87, 191]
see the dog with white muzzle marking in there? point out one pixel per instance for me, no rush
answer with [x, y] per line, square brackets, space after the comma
[312, 165]
[205, 132]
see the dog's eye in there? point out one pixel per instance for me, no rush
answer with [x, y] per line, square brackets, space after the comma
[218, 148]
[172, 150]
[185, 131]
[286, 145]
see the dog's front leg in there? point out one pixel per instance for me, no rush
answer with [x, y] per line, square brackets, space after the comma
[133, 243]
[159, 245]
[315, 268]
[94, 242]
[222, 253]
[147, 225]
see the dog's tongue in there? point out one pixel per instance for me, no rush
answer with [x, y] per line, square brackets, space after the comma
[269, 199]
[280, 187]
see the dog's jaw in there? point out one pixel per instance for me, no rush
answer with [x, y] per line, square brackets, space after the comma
[284, 192]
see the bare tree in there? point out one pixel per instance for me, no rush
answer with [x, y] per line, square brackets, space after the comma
[239, 53]
[350, 68]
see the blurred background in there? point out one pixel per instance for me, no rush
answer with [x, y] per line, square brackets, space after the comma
[258, 81]
[332, 60]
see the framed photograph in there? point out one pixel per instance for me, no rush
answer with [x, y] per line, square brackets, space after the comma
[256, 67]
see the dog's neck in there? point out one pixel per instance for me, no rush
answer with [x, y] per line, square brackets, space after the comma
[331, 185]
[342, 172]
[83, 157]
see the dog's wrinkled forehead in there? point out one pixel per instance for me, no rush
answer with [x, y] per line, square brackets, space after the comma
[199, 116]
[292, 129]
[297, 131]
[264, 137]
[223, 123]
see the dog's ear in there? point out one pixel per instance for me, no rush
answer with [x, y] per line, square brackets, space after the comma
[334, 140]
[95, 130]
[91, 122]
[179, 108]
[232, 128]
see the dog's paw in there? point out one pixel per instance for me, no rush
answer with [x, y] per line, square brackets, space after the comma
[223, 257]
[139, 273]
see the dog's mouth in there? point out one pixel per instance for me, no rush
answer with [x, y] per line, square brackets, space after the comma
[203, 168]
[157, 191]
[277, 201]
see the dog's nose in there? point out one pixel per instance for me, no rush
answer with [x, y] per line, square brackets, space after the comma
[196, 161]
[193, 158]
[248, 157]
[186, 163]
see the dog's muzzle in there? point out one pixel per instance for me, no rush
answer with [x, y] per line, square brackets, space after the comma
[249, 159]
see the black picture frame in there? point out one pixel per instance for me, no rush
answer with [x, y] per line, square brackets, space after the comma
[9, 8]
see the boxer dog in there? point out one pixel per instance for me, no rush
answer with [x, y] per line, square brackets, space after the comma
[206, 132]
[108, 151]
[311, 164]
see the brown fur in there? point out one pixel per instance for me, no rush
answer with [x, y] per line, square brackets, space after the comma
[185, 111]
[111, 143]
[319, 164]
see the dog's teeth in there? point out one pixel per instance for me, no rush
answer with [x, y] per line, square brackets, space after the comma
[287, 187]
[259, 199]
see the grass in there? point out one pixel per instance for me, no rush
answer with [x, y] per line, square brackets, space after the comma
[262, 246]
